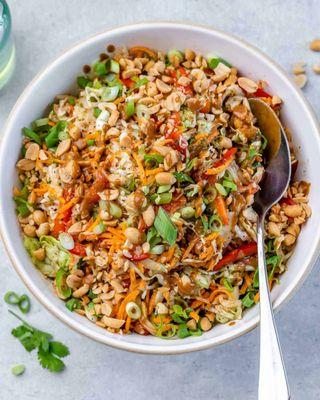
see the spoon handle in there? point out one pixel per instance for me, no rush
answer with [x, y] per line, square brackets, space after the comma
[273, 384]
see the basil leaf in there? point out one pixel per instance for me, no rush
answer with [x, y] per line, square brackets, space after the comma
[165, 227]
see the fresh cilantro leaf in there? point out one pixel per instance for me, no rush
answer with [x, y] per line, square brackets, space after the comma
[59, 349]
[49, 361]
[49, 351]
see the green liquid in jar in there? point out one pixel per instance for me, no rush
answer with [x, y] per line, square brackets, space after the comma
[7, 50]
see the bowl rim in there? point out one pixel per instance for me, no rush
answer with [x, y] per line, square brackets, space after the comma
[69, 320]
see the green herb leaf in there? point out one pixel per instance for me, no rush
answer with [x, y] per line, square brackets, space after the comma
[182, 177]
[213, 62]
[48, 351]
[248, 300]
[165, 227]
[183, 331]
[73, 304]
[50, 361]
[59, 349]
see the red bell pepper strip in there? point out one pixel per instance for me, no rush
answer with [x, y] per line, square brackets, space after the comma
[61, 222]
[137, 258]
[246, 250]
[79, 249]
[222, 164]
[261, 93]
[287, 201]
[128, 82]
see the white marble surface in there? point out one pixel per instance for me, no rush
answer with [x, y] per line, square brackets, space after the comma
[95, 372]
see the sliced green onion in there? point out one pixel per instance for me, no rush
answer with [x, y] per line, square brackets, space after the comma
[113, 66]
[163, 188]
[215, 223]
[163, 198]
[129, 108]
[153, 160]
[187, 212]
[66, 240]
[32, 135]
[90, 142]
[63, 135]
[159, 249]
[145, 190]
[18, 369]
[115, 210]
[96, 112]
[100, 68]
[52, 138]
[41, 124]
[227, 284]
[133, 310]
[248, 300]
[165, 227]
[139, 82]
[62, 288]
[110, 93]
[72, 101]
[11, 298]
[202, 281]
[82, 82]
[24, 304]
[142, 111]
[191, 164]
[221, 189]
[229, 185]
[256, 279]
[213, 62]
[205, 223]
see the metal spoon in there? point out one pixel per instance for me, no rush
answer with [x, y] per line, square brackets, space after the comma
[273, 384]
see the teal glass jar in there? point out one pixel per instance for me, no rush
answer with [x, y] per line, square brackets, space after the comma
[7, 50]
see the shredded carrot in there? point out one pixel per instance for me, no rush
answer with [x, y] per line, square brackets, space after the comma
[152, 302]
[153, 171]
[212, 236]
[119, 100]
[130, 297]
[51, 123]
[132, 278]
[140, 167]
[207, 254]
[198, 207]
[194, 315]
[189, 248]
[161, 319]
[92, 136]
[170, 253]
[256, 297]
[66, 206]
[218, 292]
[127, 325]
[96, 223]
[196, 303]
[222, 210]
[200, 136]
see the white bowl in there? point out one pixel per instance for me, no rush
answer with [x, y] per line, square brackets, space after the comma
[59, 77]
